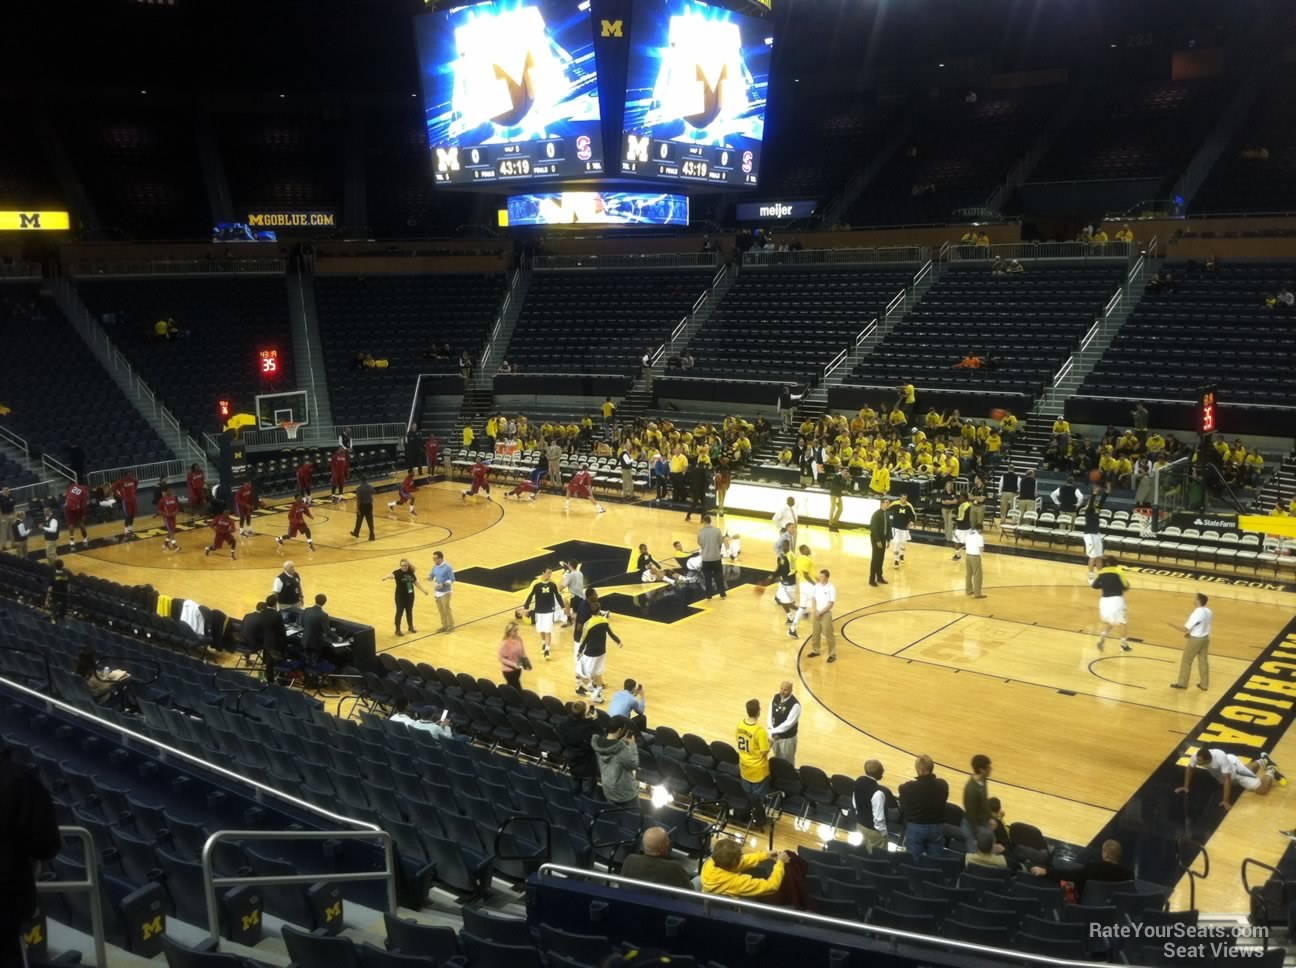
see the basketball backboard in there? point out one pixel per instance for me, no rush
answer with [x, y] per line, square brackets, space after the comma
[274, 409]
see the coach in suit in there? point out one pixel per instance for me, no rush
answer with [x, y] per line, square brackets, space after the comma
[880, 537]
[273, 635]
[315, 626]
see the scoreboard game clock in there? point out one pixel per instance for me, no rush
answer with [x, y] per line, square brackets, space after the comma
[510, 91]
[696, 91]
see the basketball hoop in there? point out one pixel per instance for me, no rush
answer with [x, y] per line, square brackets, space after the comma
[290, 427]
[1145, 517]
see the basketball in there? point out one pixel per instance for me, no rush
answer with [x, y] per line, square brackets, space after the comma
[998, 413]
[759, 590]
[1095, 475]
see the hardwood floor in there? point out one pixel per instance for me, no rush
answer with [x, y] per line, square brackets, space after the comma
[1076, 735]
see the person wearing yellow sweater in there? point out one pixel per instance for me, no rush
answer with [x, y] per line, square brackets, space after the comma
[723, 872]
[467, 435]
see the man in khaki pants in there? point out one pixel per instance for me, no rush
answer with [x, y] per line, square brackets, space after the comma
[1196, 633]
[825, 597]
[973, 546]
[443, 579]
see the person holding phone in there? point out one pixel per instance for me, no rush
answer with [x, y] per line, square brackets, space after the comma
[401, 714]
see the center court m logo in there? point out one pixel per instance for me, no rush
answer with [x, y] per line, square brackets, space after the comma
[612, 28]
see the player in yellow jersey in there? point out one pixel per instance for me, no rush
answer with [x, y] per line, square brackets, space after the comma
[753, 745]
[803, 568]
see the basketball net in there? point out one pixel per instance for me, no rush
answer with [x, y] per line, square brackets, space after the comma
[290, 428]
[1145, 519]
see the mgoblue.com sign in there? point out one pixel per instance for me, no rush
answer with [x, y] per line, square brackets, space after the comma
[771, 211]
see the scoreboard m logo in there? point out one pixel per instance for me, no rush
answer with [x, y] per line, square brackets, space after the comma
[447, 159]
[637, 147]
[32, 221]
[612, 28]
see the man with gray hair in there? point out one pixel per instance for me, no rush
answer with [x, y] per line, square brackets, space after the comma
[784, 715]
[871, 802]
[654, 864]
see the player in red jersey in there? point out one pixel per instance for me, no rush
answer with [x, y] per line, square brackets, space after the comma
[223, 525]
[340, 465]
[297, 515]
[77, 500]
[126, 490]
[479, 481]
[581, 485]
[245, 503]
[406, 494]
[305, 474]
[169, 506]
[197, 482]
[433, 450]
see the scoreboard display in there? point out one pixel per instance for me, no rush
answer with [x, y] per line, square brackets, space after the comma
[510, 91]
[696, 90]
[597, 208]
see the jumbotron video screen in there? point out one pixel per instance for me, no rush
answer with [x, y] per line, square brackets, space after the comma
[510, 91]
[696, 92]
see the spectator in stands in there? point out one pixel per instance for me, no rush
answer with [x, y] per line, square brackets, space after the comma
[871, 802]
[7, 507]
[998, 267]
[103, 682]
[505, 368]
[654, 865]
[165, 329]
[465, 365]
[976, 805]
[679, 465]
[401, 713]
[1014, 268]
[576, 734]
[922, 805]
[1286, 299]
[1124, 234]
[753, 760]
[982, 240]
[618, 760]
[686, 361]
[986, 853]
[629, 703]
[723, 872]
[1212, 263]
[29, 835]
[1109, 868]
[969, 362]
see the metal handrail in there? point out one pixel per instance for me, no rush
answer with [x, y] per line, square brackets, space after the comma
[188, 757]
[1186, 869]
[791, 916]
[316, 435]
[90, 885]
[28, 493]
[211, 881]
[184, 446]
[867, 331]
[483, 364]
[57, 467]
[183, 267]
[169, 469]
[651, 260]
[837, 256]
[13, 440]
[312, 398]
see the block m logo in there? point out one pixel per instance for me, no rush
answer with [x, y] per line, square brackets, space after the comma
[333, 911]
[613, 28]
[150, 928]
[637, 147]
[250, 919]
[26, 221]
[36, 936]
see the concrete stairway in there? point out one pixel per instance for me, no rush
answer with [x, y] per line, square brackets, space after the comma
[1034, 436]
[479, 394]
[639, 398]
[308, 349]
[182, 446]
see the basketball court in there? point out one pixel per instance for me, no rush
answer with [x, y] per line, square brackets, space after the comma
[1085, 743]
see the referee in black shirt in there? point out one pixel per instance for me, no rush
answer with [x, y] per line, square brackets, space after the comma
[879, 537]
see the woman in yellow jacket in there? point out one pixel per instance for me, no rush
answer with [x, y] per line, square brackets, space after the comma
[723, 871]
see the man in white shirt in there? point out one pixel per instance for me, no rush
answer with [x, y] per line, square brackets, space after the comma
[1196, 633]
[973, 545]
[824, 598]
[1256, 776]
[786, 515]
